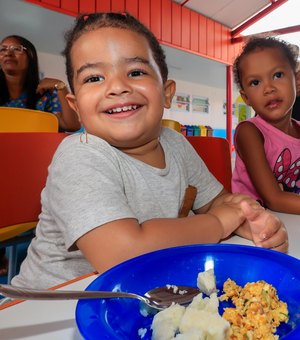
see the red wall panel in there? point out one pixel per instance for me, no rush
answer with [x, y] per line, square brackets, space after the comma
[231, 53]
[103, 5]
[172, 24]
[52, 2]
[132, 7]
[87, 6]
[225, 36]
[155, 18]
[70, 5]
[176, 24]
[194, 32]
[218, 40]
[202, 35]
[166, 21]
[210, 36]
[186, 28]
[118, 6]
[144, 12]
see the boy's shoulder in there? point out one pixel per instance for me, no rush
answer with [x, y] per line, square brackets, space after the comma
[170, 134]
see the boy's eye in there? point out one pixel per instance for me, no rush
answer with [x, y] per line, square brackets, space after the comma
[93, 79]
[136, 73]
[254, 82]
[278, 75]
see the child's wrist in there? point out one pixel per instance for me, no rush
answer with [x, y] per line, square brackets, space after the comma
[217, 225]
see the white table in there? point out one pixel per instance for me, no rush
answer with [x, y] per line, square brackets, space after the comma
[55, 320]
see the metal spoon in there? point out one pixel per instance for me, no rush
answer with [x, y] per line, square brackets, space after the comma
[158, 298]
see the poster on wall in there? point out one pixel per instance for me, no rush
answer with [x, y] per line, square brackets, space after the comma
[239, 109]
[200, 104]
[243, 112]
[234, 113]
[181, 102]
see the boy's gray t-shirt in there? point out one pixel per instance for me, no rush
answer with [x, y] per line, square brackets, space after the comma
[91, 184]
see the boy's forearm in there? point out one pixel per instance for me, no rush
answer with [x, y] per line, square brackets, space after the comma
[205, 228]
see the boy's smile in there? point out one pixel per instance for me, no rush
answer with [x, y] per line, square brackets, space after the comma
[120, 95]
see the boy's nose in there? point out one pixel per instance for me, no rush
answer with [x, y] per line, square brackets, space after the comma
[118, 86]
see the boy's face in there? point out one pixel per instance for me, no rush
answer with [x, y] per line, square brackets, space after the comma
[268, 83]
[118, 91]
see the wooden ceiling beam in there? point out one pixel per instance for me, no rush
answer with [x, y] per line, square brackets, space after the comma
[274, 4]
[277, 31]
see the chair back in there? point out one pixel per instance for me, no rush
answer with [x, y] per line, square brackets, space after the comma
[216, 154]
[13, 119]
[172, 124]
[25, 158]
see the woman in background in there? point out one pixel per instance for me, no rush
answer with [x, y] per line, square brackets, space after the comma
[20, 86]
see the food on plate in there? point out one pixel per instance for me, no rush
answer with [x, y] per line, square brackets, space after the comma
[206, 282]
[258, 311]
[256, 315]
[199, 320]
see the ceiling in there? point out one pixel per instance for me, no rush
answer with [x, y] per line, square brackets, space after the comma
[245, 17]
[45, 28]
[225, 11]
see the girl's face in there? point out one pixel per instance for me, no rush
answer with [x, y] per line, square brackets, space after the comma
[268, 84]
[13, 64]
[118, 91]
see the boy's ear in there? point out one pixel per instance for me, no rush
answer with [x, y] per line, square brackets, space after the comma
[73, 104]
[244, 97]
[169, 89]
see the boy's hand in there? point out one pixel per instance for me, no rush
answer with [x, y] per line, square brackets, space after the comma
[231, 215]
[267, 230]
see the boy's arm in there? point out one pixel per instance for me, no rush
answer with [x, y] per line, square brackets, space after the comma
[123, 239]
[120, 240]
[260, 225]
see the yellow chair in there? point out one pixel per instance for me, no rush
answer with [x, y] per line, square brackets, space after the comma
[172, 124]
[13, 119]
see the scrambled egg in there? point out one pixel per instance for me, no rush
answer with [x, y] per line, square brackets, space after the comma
[257, 312]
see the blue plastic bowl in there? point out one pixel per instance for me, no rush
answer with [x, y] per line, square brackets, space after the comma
[121, 319]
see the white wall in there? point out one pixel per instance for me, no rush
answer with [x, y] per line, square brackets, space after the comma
[215, 118]
[52, 66]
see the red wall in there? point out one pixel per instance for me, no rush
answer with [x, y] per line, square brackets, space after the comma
[172, 24]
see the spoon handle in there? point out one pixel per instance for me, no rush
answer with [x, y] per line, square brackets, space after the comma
[35, 294]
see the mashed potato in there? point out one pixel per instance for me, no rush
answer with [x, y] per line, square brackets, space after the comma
[199, 321]
[256, 315]
[257, 312]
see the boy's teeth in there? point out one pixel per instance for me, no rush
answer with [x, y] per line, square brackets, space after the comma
[123, 109]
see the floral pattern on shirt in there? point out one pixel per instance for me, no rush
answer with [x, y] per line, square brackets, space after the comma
[49, 102]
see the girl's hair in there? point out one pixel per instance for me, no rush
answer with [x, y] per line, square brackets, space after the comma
[32, 76]
[260, 43]
[90, 22]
